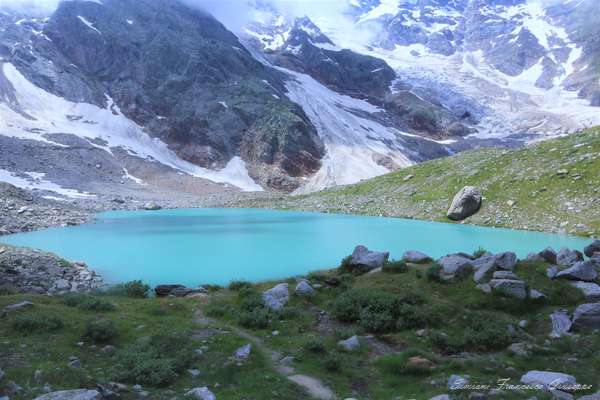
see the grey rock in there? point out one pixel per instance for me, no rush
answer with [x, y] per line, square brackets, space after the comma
[455, 266]
[484, 268]
[62, 285]
[441, 397]
[547, 379]
[587, 316]
[304, 289]
[350, 344]
[548, 254]
[109, 350]
[506, 261]
[485, 288]
[581, 271]
[509, 287]
[363, 258]
[590, 290]
[534, 257]
[561, 323]
[466, 202]
[552, 271]
[2, 374]
[165, 290]
[243, 352]
[568, 257]
[523, 324]
[594, 396]
[38, 377]
[416, 257]
[17, 306]
[277, 297]
[151, 206]
[519, 349]
[194, 373]
[536, 294]
[592, 248]
[456, 382]
[504, 275]
[201, 393]
[78, 394]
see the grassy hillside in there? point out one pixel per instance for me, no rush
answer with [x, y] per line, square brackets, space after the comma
[550, 186]
[415, 331]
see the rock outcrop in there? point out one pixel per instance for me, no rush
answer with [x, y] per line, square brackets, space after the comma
[277, 297]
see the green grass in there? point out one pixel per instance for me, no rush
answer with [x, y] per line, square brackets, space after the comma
[465, 332]
[543, 200]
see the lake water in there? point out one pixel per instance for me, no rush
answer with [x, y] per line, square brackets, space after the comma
[197, 246]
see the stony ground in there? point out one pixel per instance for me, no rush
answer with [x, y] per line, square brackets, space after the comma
[552, 186]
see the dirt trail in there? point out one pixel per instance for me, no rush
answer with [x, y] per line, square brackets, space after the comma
[314, 387]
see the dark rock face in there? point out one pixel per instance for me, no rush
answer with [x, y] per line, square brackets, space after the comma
[307, 50]
[184, 77]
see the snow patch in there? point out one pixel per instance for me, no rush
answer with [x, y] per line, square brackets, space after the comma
[89, 24]
[37, 181]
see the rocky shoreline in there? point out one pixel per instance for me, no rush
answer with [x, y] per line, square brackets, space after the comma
[26, 270]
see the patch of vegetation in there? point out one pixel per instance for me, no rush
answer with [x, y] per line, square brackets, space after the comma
[156, 362]
[258, 318]
[238, 285]
[100, 331]
[484, 331]
[7, 289]
[36, 323]
[479, 252]
[332, 362]
[314, 345]
[395, 267]
[88, 302]
[410, 362]
[434, 273]
[133, 289]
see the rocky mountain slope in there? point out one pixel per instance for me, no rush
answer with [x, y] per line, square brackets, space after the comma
[112, 94]
[549, 186]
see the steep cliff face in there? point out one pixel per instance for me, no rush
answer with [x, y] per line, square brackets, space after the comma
[184, 77]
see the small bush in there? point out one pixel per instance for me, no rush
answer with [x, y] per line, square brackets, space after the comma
[314, 345]
[376, 320]
[484, 331]
[258, 318]
[415, 317]
[434, 273]
[479, 252]
[250, 300]
[155, 362]
[395, 267]
[238, 285]
[290, 313]
[398, 364]
[100, 331]
[87, 302]
[345, 264]
[36, 323]
[132, 289]
[332, 362]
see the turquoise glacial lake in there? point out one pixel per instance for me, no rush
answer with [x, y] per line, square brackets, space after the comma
[198, 246]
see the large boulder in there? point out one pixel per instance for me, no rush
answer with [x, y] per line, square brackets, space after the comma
[466, 203]
[506, 261]
[201, 393]
[548, 380]
[77, 394]
[277, 297]
[581, 271]
[165, 290]
[364, 259]
[587, 316]
[484, 268]
[509, 287]
[350, 344]
[413, 256]
[590, 290]
[455, 265]
[548, 254]
[561, 323]
[304, 289]
[594, 247]
[568, 257]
